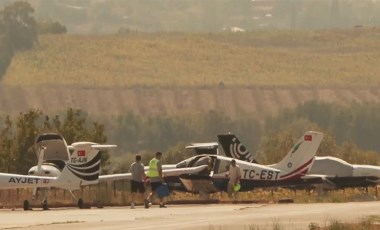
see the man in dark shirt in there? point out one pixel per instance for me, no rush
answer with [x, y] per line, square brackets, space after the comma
[137, 182]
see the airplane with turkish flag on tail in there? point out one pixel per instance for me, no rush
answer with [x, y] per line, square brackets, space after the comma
[326, 173]
[207, 173]
[58, 168]
[289, 170]
[74, 175]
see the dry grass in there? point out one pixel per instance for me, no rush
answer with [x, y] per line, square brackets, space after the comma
[118, 195]
[319, 58]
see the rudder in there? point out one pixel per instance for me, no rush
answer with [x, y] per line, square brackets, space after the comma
[300, 158]
[233, 148]
[83, 167]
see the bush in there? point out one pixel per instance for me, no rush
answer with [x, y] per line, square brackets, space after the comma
[50, 27]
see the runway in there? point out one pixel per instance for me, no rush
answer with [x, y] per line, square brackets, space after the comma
[216, 216]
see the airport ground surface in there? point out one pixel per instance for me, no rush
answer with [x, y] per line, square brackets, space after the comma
[215, 216]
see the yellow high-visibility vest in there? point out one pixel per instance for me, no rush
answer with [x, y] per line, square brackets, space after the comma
[153, 168]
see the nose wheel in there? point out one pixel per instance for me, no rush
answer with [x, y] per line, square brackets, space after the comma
[26, 205]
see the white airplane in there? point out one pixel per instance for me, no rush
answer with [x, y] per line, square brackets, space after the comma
[206, 173]
[293, 166]
[326, 172]
[53, 160]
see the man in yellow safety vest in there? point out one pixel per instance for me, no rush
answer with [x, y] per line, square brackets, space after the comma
[156, 179]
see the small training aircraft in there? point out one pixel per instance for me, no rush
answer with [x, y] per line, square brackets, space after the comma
[57, 168]
[207, 173]
[288, 171]
[326, 173]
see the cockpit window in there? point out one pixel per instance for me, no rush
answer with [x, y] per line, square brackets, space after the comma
[181, 164]
[222, 166]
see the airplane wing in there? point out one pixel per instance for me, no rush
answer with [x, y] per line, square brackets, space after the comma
[103, 146]
[165, 172]
[93, 145]
[204, 148]
[10, 181]
[320, 180]
[164, 167]
[209, 145]
[313, 176]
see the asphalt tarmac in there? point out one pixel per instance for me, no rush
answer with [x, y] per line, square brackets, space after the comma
[215, 216]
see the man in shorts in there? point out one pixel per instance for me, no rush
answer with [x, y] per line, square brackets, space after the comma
[234, 179]
[137, 182]
[156, 178]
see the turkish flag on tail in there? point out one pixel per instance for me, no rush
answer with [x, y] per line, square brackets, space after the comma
[308, 138]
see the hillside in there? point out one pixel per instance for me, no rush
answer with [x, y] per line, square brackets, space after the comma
[322, 58]
[232, 101]
[173, 73]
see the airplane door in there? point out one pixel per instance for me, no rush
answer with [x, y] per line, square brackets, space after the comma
[221, 166]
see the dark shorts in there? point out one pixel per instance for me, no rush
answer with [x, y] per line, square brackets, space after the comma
[155, 185]
[137, 186]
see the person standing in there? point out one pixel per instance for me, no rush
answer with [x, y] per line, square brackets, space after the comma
[137, 182]
[156, 179]
[234, 179]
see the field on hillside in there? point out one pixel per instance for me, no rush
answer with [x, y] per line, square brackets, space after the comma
[318, 58]
[233, 102]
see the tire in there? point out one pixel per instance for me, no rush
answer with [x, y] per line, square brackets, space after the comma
[45, 205]
[26, 205]
[80, 203]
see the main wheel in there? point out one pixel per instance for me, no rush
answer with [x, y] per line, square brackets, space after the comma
[26, 205]
[45, 205]
[80, 203]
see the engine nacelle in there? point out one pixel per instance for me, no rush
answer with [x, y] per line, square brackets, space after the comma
[48, 170]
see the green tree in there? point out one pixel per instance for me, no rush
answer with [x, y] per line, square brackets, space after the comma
[6, 53]
[17, 31]
[7, 154]
[27, 128]
[19, 25]
[177, 153]
[17, 153]
[51, 27]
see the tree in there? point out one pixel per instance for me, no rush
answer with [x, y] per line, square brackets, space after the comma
[19, 25]
[27, 128]
[7, 158]
[51, 27]
[6, 53]
[17, 31]
[17, 153]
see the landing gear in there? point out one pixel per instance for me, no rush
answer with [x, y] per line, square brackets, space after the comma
[44, 202]
[80, 203]
[26, 205]
[45, 205]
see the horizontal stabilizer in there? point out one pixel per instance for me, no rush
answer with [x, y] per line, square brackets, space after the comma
[93, 145]
[209, 145]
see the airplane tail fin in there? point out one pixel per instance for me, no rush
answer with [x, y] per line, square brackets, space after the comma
[300, 158]
[234, 148]
[83, 167]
